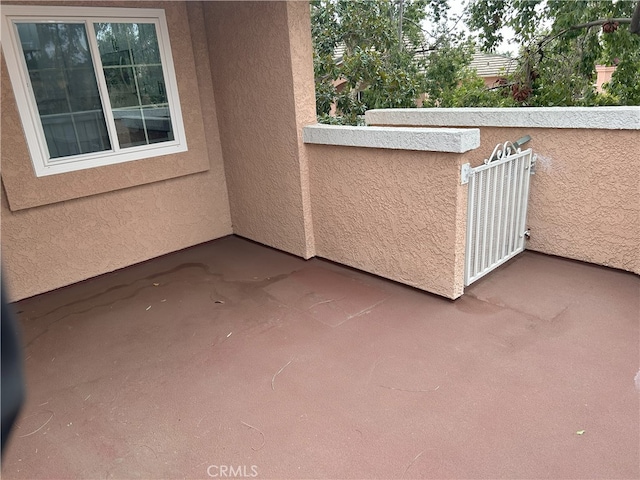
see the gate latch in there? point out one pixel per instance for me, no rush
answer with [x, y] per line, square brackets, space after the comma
[532, 165]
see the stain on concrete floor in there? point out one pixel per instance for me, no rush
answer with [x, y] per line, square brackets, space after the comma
[232, 357]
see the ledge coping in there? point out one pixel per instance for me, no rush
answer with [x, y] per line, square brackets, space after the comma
[606, 118]
[454, 140]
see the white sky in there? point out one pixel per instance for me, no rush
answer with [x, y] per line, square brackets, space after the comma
[457, 7]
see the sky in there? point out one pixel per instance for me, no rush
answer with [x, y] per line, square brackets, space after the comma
[458, 6]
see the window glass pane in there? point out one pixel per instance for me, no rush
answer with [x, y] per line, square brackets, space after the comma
[136, 83]
[65, 88]
[158, 124]
[49, 88]
[60, 135]
[73, 134]
[121, 85]
[130, 126]
[82, 85]
[114, 44]
[144, 48]
[151, 85]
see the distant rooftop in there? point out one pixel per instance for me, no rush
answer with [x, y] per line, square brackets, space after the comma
[492, 64]
[486, 64]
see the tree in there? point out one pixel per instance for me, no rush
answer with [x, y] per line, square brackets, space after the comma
[361, 45]
[557, 61]
[374, 54]
[450, 82]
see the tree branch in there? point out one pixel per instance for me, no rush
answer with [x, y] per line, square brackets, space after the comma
[602, 21]
[594, 23]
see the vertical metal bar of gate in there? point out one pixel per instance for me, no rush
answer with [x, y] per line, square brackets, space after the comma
[497, 213]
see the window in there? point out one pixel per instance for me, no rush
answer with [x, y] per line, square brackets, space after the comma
[94, 86]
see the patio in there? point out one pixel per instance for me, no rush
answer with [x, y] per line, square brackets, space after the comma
[234, 359]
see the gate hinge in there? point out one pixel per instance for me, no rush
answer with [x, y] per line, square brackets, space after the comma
[465, 173]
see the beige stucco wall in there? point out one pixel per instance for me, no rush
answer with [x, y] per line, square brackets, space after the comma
[585, 196]
[395, 213]
[584, 199]
[112, 217]
[261, 57]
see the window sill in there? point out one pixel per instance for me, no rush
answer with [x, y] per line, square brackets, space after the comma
[24, 190]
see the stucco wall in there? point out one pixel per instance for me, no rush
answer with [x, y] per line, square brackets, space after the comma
[261, 57]
[115, 216]
[584, 197]
[395, 213]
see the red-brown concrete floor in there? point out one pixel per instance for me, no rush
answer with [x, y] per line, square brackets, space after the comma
[232, 358]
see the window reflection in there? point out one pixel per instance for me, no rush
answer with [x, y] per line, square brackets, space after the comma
[65, 88]
[130, 57]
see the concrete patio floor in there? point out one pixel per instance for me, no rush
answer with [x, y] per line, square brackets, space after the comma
[233, 358]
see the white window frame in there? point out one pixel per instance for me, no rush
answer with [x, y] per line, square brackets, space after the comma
[27, 107]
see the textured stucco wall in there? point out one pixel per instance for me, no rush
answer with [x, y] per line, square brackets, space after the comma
[584, 199]
[25, 190]
[53, 245]
[398, 214]
[261, 58]
[304, 102]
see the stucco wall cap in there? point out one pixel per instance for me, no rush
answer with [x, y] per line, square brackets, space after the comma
[455, 140]
[609, 118]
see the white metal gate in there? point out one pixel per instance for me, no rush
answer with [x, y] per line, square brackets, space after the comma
[497, 209]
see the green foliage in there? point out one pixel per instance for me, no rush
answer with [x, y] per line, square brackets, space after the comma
[451, 83]
[472, 92]
[374, 54]
[445, 69]
[376, 69]
[557, 60]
